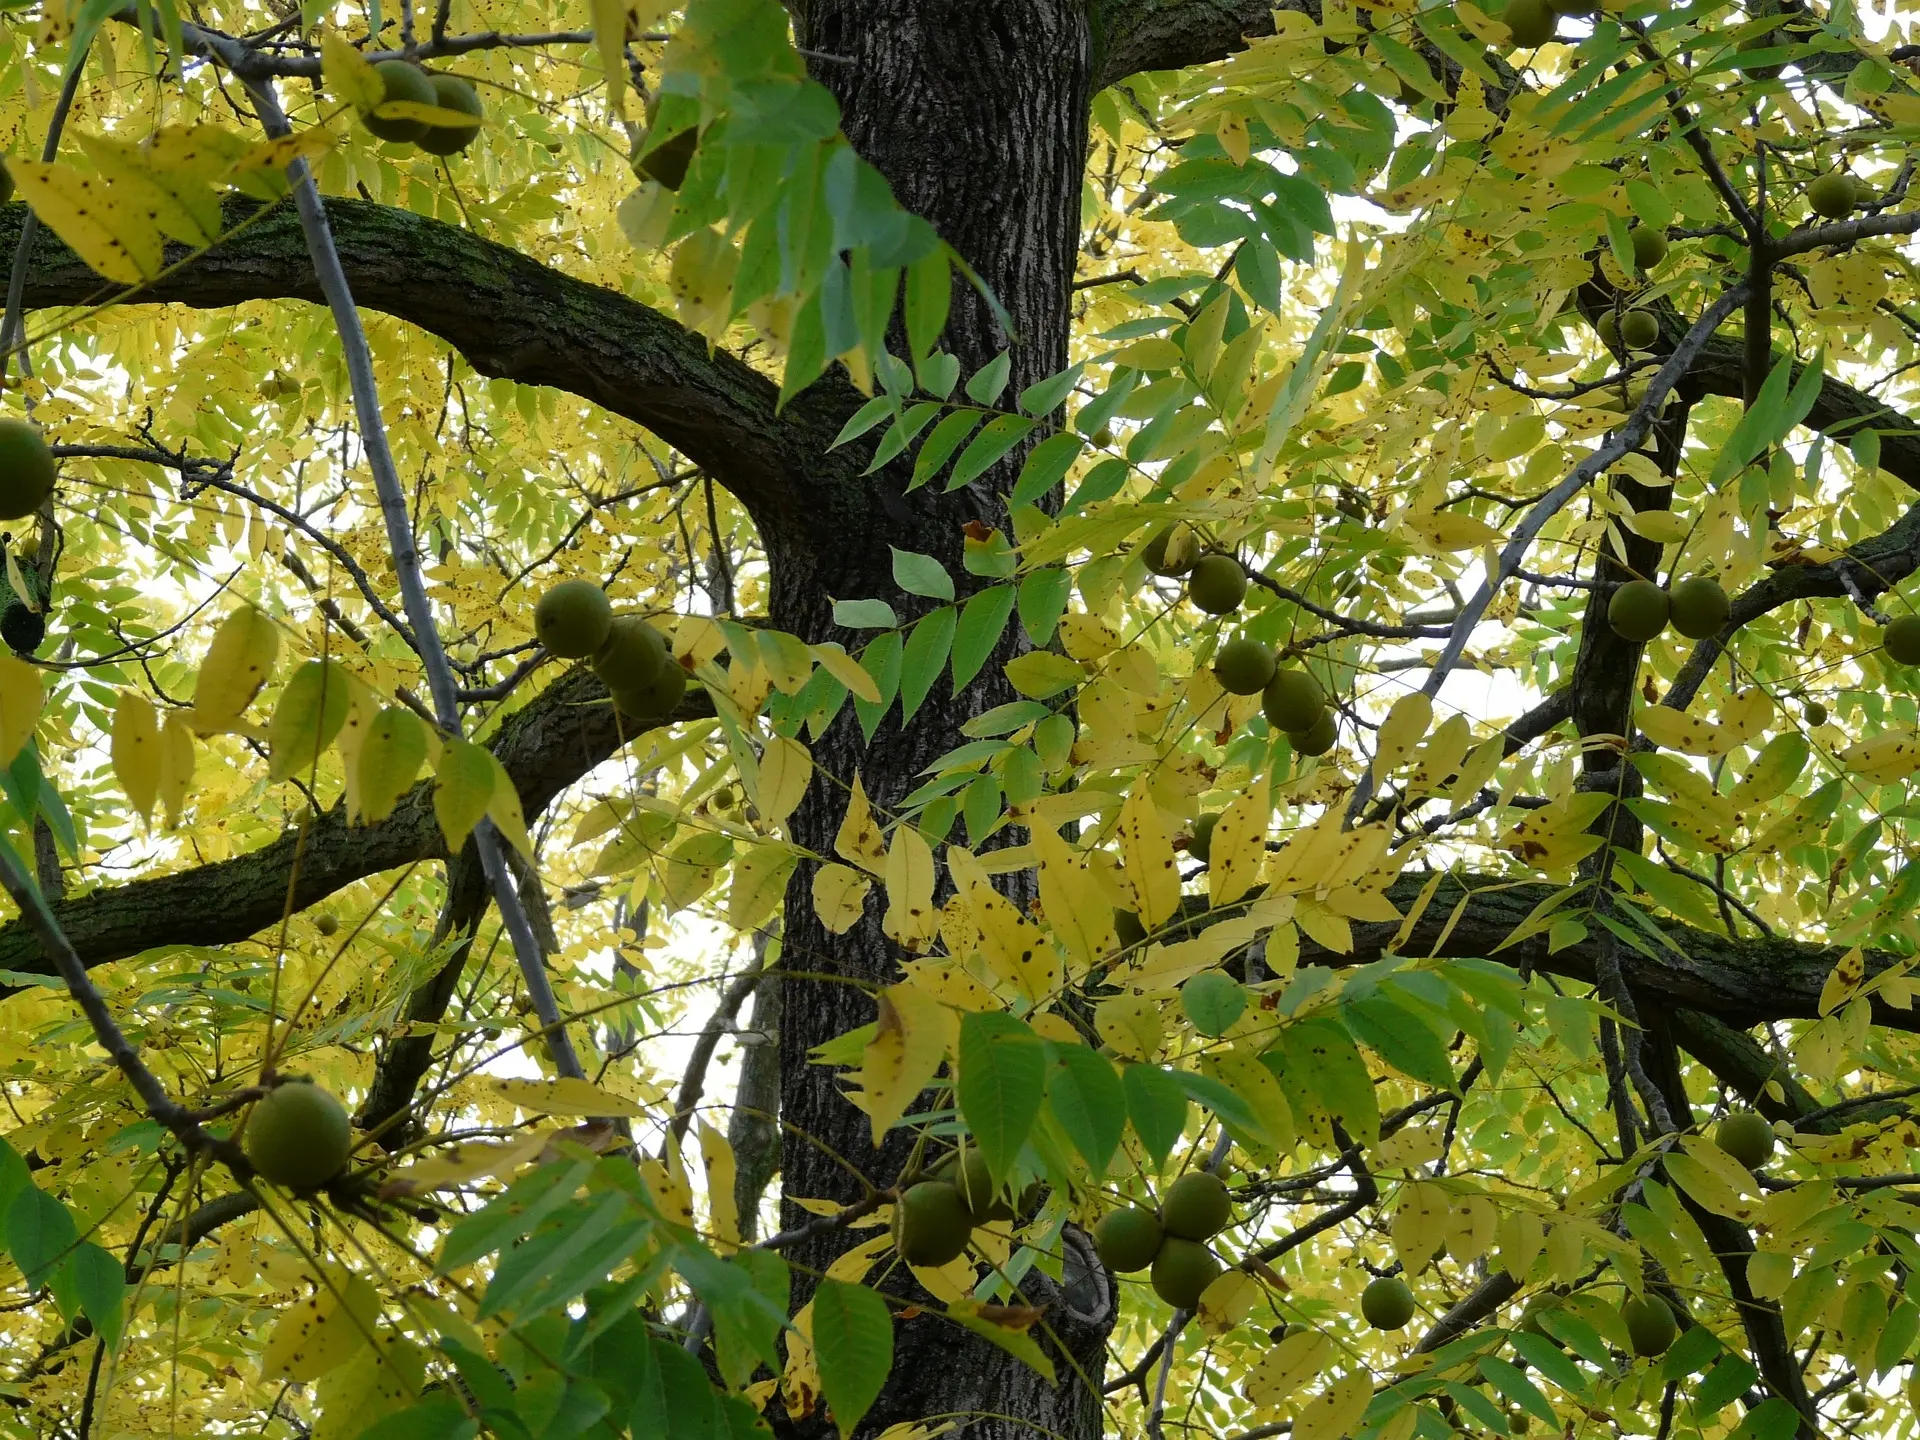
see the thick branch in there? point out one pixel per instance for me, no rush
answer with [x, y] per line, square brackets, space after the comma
[1740, 982]
[546, 747]
[509, 316]
[1136, 35]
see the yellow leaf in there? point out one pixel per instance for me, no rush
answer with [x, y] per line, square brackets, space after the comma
[464, 1162]
[102, 223]
[1228, 1301]
[389, 759]
[759, 882]
[1282, 1370]
[20, 699]
[1131, 1025]
[503, 809]
[1041, 673]
[181, 202]
[1239, 848]
[349, 74]
[839, 896]
[786, 660]
[1662, 526]
[848, 671]
[136, 750]
[1337, 1412]
[1450, 530]
[911, 1038]
[565, 1096]
[1071, 901]
[176, 765]
[1151, 876]
[1883, 758]
[1014, 947]
[786, 769]
[911, 921]
[322, 1331]
[1087, 637]
[462, 790]
[1848, 972]
[1406, 726]
[237, 665]
[859, 839]
[722, 1211]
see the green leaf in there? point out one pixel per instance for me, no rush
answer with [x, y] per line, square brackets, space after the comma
[1771, 1419]
[1725, 1383]
[1003, 1072]
[1018, 1343]
[853, 1344]
[1512, 1383]
[939, 446]
[1319, 1052]
[1551, 1361]
[551, 1267]
[1041, 673]
[881, 660]
[1157, 1105]
[865, 418]
[439, 1418]
[1042, 396]
[919, 574]
[1046, 463]
[1225, 1102]
[40, 1232]
[311, 711]
[100, 1282]
[983, 619]
[929, 294]
[1756, 428]
[995, 439]
[865, 615]
[1400, 1037]
[463, 790]
[925, 657]
[1088, 1101]
[1043, 600]
[990, 379]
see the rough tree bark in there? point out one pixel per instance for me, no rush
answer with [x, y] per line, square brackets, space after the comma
[977, 115]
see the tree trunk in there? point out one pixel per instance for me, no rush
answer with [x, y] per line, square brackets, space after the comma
[977, 115]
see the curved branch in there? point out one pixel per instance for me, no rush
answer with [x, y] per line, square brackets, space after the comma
[559, 737]
[1138, 35]
[510, 317]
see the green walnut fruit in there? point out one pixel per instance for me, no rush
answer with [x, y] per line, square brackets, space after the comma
[633, 654]
[1639, 329]
[1293, 700]
[1213, 1000]
[573, 619]
[1902, 639]
[931, 1224]
[1200, 847]
[1127, 928]
[1387, 1303]
[326, 923]
[1856, 1403]
[450, 92]
[1607, 327]
[1182, 1271]
[1699, 607]
[974, 1181]
[1218, 584]
[26, 469]
[1163, 559]
[1650, 1324]
[1128, 1239]
[1196, 1206]
[1638, 610]
[656, 698]
[298, 1135]
[1531, 22]
[1316, 739]
[1814, 713]
[1103, 437]
[1834, 196]
[404, 81]
[1747, 1137]
[1649, 246]
[1243, 666]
